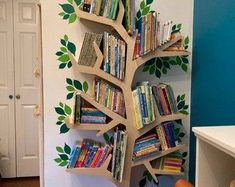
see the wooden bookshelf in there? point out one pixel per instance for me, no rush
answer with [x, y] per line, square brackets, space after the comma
[131, 66]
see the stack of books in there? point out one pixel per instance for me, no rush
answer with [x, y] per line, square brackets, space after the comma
[146, 146]
[165, 99]
[92, 115]
[143, 105]
[89, 154]
[109, 96]
[114, 51]
[87, 55]
[119, 152]
[171, 162]
[165, 33]
[105, 8]
[129, 16]
[86, 113]
[148, 37]
[166, 135]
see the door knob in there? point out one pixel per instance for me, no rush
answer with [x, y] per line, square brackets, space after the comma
[10, 96]
[18, 96]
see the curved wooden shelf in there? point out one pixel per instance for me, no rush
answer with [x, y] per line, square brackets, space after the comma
[116, 24]
[159, 52]
[161, 154]
[101, 171]
[101, 128]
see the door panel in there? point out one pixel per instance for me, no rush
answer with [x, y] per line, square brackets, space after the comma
[7, 110]
[26, 87]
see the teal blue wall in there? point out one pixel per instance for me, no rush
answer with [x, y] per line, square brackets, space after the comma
[213, 76]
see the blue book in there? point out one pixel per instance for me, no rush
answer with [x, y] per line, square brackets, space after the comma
[74, 156]
[167, 135]
[102, 7]
[141, 102]
[102, 157]
[172, 133]
[142, 36]
[91, 156]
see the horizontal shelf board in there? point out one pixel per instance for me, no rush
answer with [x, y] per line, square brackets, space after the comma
[162, 172]
[90, 126]
[161, 154]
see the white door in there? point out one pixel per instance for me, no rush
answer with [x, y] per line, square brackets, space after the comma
[7, 109]
[26, 86]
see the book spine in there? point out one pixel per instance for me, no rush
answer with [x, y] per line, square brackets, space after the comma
[137, 111]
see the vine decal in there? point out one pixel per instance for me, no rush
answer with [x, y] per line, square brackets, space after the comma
[63, 111]
[63, 54]
[63, 155]
[73, 86]
[68, 12]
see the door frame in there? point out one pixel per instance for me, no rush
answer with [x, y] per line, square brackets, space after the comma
[41, 104]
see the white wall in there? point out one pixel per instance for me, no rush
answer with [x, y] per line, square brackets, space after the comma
[53, 29]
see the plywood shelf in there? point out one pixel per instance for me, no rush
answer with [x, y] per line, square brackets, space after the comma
[161, 154]
[125, 86]
[162, 172]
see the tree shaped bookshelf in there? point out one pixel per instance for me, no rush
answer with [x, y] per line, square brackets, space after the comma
[125, 86]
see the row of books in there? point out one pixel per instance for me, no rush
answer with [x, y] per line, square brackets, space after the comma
[143, 104]
[129, 16]
[89, 154]
[146, 146]
[114, 51]
[119, 152]
[86, 113]
[148, 34]
[151, 33]
[109, 96]
[105, 8]
[165, 99]
[171, 162]
[166, 135]
[87, 55]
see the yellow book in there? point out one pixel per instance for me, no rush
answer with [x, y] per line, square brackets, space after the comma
[135, 97]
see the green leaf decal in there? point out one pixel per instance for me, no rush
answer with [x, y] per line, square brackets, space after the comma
[72, 18]
[64, 156]
[77, 85]
[63, 42]
[178, 60]
[66, 16]
[64, 58]
[59, 53]
[146, 10]
[149, 2]
[182, 97]
[69, 65]
[62, 66]
[146, 68]
[67, 8]
[68, 110]
[85, 86]
[60, 149]
[78, 2]
[184, 154]
[59, 111]
[64, 163]
[158, 73]
[63, 49]
[71, 47]
[67, 149]
[59, 122]
[61, 105]
[66, 38]
[181, 105]
[106, 137]
[138, 14]
[70, 96]
[61, 14]
[186, 40]
[69, 81]
[181, 134]
[58, 160]
[152, 70]
[70, 1]
[64, 129]
[142, 5]
[61, 118]
[70, 88]
[184, 67]
[184, 112]
[185, 60]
